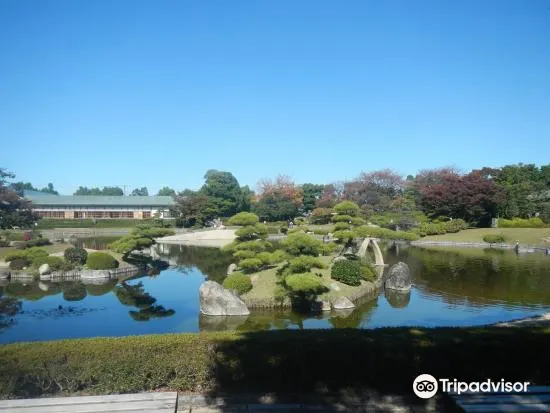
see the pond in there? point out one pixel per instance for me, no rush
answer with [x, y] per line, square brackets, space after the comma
[452, 287]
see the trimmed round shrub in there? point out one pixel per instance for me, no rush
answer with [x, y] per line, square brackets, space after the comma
[76, 255]
[238, 282]
[244, 218]
[341, 226]
[304, 284]
[244, 254]
[494, 238]
[356, 221]
[250, 264]
[304, 263]
[101, 261]
[321, 215]
[347, 272]
[19, 264]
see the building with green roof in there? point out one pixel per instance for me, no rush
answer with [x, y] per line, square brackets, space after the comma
[100, 207]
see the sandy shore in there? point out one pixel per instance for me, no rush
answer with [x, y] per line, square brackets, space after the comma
[209, 238]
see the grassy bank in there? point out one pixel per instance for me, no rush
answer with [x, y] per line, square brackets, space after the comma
[277, 361]
[50, 249]
[265, 285]
[530, 236]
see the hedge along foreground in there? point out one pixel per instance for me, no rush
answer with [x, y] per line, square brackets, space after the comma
[274, 361]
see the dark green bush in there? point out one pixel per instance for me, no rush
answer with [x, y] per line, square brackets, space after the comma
[19, 263]
[347, 272]
[304, 284]
[36, 242]
[304, 263]
[238, 282]
[284, 230]
[4, 243]
[494, 238]
[366, 231]
[101, 261]
[244, 218]
[76, 255]
[250, 264]
[265, 257]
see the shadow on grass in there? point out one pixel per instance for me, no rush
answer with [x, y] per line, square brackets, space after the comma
[349, 366]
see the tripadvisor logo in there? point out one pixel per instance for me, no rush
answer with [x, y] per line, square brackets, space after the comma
[425, 386]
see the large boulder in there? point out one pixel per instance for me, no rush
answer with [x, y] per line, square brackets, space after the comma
[399, 277]
[217, 300]
[342, 303]
[44, 269]
[322, 305]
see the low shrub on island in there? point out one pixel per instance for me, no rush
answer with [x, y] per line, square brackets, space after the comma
[494, 238]
[238, 282]
[139, 238]
[101, 261]
[76, 255]
[521, 223]
[347, 272]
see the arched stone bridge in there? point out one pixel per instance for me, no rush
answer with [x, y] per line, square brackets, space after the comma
[378, 258]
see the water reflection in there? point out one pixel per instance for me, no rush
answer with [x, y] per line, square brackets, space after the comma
[451, 287]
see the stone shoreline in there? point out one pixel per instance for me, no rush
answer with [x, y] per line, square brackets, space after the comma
[536, 321]
[522, 248]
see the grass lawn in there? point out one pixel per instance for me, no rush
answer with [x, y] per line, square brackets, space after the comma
[531, 236]
[265, 283]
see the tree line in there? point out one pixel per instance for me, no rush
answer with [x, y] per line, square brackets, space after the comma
[511, 191]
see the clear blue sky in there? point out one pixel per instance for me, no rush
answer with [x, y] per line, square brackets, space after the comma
[154, 93]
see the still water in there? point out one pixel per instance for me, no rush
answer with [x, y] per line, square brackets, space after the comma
[452, 287]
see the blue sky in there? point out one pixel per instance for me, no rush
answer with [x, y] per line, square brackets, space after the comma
[154, 93]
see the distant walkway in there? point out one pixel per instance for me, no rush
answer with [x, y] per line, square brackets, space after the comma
[208, 238]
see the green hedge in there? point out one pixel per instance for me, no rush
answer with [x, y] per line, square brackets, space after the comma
[274, 361]
[384, 233]
[101, 261]
[304, 284]
[521, 223]
[100, 223]
[76, 255]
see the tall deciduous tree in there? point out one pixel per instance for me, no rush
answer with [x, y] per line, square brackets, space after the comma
[192, 209]
[311, 193]
[140, 191]
[14, 210]
[166, 191]
[224, 193]
[275, 206]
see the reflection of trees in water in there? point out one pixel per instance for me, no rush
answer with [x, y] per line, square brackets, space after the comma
[9, 307]
[136, 296]
[101, 288]
[478, 277]
[73, 291]
[155, 311]
[212, 262]
[31, 291]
